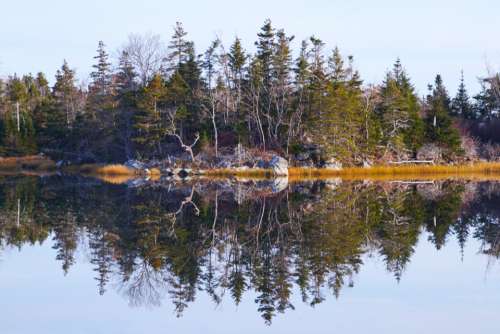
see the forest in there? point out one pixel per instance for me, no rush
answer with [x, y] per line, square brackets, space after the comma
[311, 104]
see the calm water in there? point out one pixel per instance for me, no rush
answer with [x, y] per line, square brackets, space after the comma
[84, 256]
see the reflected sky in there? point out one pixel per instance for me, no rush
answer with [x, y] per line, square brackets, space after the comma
[455, 288]
[439, 293]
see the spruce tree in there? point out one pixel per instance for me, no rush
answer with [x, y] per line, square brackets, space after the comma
[178, 48]
[148, 121]
[439, 125]
[66, 94]
[19, 131]
[398, 111]
[100, 89]
[338, 128]
[461, 106]
[126, 96]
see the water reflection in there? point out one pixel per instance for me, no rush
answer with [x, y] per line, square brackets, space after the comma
[164, 242]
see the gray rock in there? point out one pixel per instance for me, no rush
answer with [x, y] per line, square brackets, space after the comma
[279, 165]
[279, 184]
[224, 164]
[262, 164]
[135, 164]
[303, 156]
[333, 164]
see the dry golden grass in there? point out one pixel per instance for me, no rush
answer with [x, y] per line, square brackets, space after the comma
[479, 171]
[101, 170]
[255, 173]
[27, 163]
[154, 172]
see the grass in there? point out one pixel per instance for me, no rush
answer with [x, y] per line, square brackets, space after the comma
[117, 173]
[105, 170]
[31, 163]
[484, 170]
[255, 173]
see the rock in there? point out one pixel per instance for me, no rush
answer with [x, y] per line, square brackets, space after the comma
[303, 156]
[279, 184]
[262, 164]
[332, 164]
[135, 164]
[279, 165]
[182, 172]
[137, 183]
[61, 163]
[333, 184]
[166, 171]
[224, 164]
[430, 152]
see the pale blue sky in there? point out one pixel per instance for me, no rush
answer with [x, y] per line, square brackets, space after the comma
[442, 36]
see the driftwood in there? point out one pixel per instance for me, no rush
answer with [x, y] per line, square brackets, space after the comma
[411, 162]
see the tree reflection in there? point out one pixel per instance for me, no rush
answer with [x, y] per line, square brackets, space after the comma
[169, 242]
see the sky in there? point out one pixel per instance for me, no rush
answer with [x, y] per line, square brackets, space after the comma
[430, 37]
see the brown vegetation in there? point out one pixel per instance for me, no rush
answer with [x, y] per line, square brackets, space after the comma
[31, 163]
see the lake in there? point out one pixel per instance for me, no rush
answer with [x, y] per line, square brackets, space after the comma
[81, 255]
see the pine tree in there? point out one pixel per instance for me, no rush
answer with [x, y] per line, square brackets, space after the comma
[179, 48]
[66, 94]
[265, 45]
[487, 102]
[338, 128]
[101, 88]
[237, 60]
[439, 128]
[398, 111]
[18, 131]
[148, 122]
[126, 96]
[461, 106]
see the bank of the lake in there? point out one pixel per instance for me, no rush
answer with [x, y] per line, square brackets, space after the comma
[39, 164]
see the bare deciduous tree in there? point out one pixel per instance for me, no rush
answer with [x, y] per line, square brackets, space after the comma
[146, 54]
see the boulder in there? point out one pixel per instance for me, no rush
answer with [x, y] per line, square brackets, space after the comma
[279, 184]
[224, 164]
[332, 164]
[303, 156]
[430, 152]
[135, 164]
[279, 165]
[262, 164]
[367, 164]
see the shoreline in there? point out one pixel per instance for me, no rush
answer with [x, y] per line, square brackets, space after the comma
[41, 165]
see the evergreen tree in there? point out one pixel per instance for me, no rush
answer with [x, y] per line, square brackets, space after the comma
[148, 122]
[126, 96]
[178, 48]
[398, 110]
[66, 95]
[487, 104]
[100, 89]
[461, 106]
[18, 130]
[338, 127]
[439, 127]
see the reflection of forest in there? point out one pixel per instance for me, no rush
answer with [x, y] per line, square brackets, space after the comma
[223, 240]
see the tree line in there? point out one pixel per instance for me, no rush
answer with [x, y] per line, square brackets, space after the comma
[159, 100]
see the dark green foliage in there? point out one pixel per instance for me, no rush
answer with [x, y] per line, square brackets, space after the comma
[439, 125]
[267, 100]
[461, 105]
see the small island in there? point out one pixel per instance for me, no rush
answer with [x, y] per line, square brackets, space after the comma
[168, 110]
